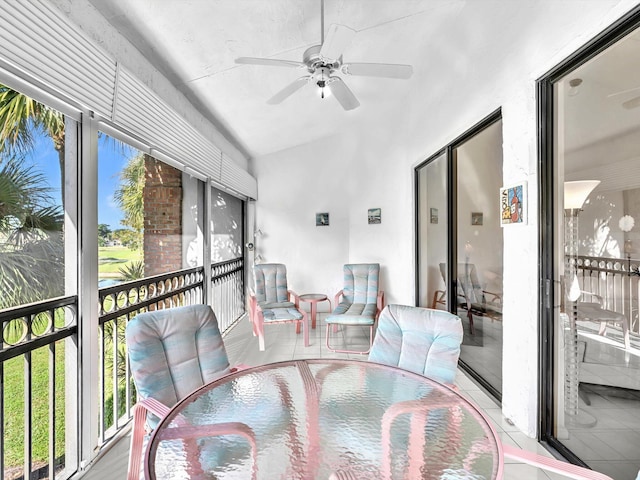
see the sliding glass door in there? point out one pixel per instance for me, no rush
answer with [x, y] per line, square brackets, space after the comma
[591, 202]
[459, 243]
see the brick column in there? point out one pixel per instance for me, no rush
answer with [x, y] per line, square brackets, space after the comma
[162, 218]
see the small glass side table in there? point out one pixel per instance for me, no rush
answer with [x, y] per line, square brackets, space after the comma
[314, 299]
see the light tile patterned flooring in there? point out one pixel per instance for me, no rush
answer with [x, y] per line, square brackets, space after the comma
[283, 344]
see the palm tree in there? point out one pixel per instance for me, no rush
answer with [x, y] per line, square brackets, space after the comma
[21, 118]
[129, 197]
[31, 244]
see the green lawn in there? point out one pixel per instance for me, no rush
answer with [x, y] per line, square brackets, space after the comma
[112, 259]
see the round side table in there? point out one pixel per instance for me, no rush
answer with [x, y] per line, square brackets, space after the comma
[313, 299]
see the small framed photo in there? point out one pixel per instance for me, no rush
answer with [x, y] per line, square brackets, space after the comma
[322, 219]
[476, 218]
[374, 216]
[513, 205]
[433, 215]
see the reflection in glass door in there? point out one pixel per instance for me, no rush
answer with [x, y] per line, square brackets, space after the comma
[458, 224]
[479, 252]
[432, 233]
[595, 239]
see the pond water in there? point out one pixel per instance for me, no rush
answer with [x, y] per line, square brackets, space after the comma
[108, 282]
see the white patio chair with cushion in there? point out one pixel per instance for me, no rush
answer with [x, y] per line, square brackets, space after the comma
[361, 302]
[271, 302]
[421, 340]
[172, 352]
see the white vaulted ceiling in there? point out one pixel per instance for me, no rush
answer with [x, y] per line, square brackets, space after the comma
[194, 44]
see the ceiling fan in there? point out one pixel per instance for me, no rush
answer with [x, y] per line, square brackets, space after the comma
[324, 62]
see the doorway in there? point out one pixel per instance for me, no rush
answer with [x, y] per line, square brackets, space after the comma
[590, 237]
[460, 238]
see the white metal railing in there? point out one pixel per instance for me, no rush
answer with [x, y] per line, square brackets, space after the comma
[617, 281]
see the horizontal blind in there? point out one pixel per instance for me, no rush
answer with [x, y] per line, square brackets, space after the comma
[40, 41]
[236, 178]
[139, 110]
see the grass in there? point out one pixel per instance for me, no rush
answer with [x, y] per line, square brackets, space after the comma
[112, 259]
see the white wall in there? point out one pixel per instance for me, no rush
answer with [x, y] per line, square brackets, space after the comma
[495, 64]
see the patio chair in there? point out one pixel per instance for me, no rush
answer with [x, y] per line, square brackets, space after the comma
[421, 340]
[361, 302]
[271, 302]
[593, 311]
[172, 352]
[470, 295]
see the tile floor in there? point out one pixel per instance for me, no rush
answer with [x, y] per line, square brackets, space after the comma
[283, 344]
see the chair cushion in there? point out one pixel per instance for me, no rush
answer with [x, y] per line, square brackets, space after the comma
[353, 314]
[420, 340]
[281, 314]
[265, 305]
[361, 282]
[174, 351]
[271, 283]
[595, 312]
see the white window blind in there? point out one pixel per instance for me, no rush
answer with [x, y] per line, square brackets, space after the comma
[40, 41]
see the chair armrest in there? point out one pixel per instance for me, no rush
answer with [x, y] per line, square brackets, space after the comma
[337, 298]
[140, 410]
[380, 302]
[296, 297]
[552, 465]
[495, 297]
[239, 367]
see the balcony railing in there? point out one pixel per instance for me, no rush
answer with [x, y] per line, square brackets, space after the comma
[120, 303]
[616, 280]
[39, 364]
[38, 358]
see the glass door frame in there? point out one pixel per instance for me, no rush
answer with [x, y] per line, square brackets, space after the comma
[548, 288]
[452, 232]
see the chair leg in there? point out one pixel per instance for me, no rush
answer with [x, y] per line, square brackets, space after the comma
[470, 317]
[335, 350]
[603, 329]
[625, 333]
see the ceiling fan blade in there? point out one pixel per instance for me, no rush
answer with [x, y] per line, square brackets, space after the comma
[388, 70]
[270, 62]
[343, 94]
[338, 38]
[288, 90]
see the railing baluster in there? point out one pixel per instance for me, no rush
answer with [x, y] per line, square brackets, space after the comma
[52, 407]
[2, 424]
[28, 414]
[616, 281]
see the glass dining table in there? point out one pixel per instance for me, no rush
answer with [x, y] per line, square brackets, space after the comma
[324, 419]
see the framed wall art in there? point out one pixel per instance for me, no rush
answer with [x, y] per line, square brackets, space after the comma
[322, 219]
[433, 215]
[513, 205]
[374, 216]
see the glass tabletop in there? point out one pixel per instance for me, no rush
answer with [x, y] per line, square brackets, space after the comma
[323, 419]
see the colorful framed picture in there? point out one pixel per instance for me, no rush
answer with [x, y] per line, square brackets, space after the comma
[374, 216]
[322, 219]
[513, 205]
[433, 215]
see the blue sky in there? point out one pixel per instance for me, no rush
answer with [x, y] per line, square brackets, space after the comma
[112, 157]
